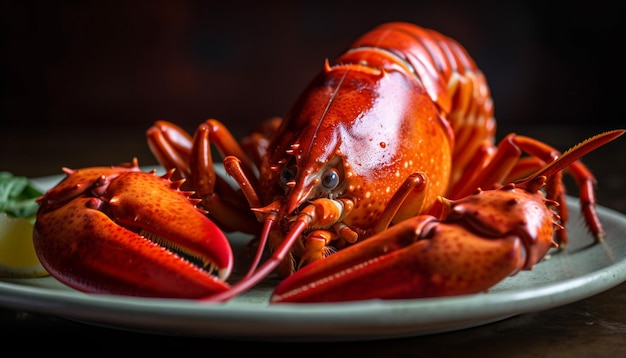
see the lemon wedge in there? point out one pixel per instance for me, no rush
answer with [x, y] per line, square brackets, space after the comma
[17, 254]
[17, 217]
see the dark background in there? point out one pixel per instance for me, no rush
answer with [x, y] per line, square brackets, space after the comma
[86, 79]
[80, 82]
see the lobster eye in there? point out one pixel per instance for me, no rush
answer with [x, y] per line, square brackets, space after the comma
[288, 174]
[330, 179]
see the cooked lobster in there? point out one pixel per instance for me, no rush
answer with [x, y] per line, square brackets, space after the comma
[362, 163]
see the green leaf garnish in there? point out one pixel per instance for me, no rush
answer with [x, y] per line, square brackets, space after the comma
[17, 196]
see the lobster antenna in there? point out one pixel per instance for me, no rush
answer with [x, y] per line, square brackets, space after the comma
[269, 222]
[574, 153]
[252, 278]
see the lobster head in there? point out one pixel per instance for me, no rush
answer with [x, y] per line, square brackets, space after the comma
[342, 138]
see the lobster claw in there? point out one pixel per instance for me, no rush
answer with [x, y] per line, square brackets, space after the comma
[131, 233]
[416, 258]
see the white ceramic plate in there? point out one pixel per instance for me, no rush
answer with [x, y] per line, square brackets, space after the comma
[580, 271]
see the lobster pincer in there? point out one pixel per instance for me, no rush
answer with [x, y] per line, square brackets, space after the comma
[465, 252]
[119, 230]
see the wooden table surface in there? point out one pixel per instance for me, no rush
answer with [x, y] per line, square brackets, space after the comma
[592, 327]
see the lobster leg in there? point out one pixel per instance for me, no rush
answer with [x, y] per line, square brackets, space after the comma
[171, 145]
[257, 142]
[414, 186]
[192, 157]
[505, 165]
